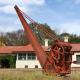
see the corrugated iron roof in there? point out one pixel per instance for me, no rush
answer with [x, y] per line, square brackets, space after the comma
[13, 49]
[29, 48]
[75, 47]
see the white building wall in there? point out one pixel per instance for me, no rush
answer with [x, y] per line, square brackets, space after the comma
[74, 59]
[30, 63]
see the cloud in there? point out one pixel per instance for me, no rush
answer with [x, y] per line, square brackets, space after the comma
[5, 1]
[23, 5]
[9, 9]
[70, 27]
[21, 2]
[10, 28]
[35, 2]
[11, 2]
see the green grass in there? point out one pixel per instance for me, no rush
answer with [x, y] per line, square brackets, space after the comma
[13, 74]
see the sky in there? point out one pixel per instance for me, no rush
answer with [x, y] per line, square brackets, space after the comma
[60, 15]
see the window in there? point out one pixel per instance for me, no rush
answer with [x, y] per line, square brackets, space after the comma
[31, 56]
[21, 56]
[26, 66]
[78, 59]
[36, 66]
[24, 56]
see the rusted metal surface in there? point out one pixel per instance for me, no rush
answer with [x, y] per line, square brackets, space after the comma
[32, 38]
[59, 58]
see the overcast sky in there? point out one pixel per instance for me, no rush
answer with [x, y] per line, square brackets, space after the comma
[61, 15]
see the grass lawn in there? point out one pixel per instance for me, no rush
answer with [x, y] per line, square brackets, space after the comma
[13, 74]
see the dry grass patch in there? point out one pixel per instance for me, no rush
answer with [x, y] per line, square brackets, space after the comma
[15, 74]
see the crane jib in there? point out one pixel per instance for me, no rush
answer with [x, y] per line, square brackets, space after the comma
[41, 54]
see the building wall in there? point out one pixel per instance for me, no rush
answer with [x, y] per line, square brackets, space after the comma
[32, 63]
[27, 63]
[74, 58]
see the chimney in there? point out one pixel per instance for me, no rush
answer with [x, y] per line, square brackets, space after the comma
[46, 42]
[66, 39]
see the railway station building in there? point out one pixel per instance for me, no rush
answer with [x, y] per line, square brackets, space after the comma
[25, 57]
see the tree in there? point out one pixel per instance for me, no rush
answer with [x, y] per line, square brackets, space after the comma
[19, 37]
[73, 38]
[41, 35]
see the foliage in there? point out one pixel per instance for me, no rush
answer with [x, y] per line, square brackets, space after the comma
[19, 38]
[10, 58]
[41, 36]
[14, 38]
[73, 38]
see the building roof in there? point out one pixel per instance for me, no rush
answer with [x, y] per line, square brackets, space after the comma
[75, 47]
[14, 49]
[29, 48]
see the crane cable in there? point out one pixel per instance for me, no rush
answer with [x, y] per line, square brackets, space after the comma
[45, 30]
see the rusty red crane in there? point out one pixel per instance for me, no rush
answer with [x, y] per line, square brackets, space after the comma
[59, 58]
